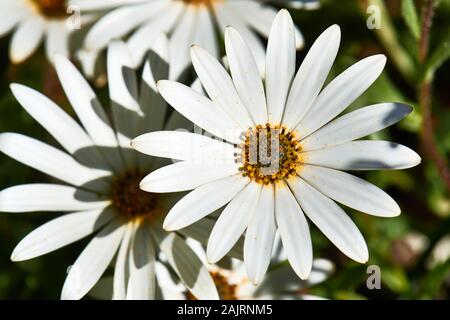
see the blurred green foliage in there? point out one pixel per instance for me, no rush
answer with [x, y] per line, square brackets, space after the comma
[407, 270]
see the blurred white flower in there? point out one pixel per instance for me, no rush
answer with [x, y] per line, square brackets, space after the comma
[31, 21]
[187, 21]
[283, 153]
[440, 253]
[100, 175]
[232, 282]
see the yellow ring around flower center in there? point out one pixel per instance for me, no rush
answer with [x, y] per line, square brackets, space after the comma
[200, 2]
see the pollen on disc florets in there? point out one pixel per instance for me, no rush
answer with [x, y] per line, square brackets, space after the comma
[226, 290]
[269, 154]
[131, 201]
[51, 8]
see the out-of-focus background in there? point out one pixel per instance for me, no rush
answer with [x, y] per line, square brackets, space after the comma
[412, 250]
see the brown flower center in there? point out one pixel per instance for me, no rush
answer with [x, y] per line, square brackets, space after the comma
[270, 153]
[52, 8]
[226, 290]
[131, 201]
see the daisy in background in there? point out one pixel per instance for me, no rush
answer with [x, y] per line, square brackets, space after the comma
[283, 155]
[31, 21]
[280, 282]
[187, 22]
[100, 177]
[230, 278]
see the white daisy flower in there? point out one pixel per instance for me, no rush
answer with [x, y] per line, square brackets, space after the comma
[100, 177]
[187, 22]
[283, 155]
[32, 20]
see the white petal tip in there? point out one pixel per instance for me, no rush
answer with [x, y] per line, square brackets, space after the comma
[167, 226]
[161, 84]
[211, 258]
[15, 86]
[363, 258]
[15, 258]
[382, 58]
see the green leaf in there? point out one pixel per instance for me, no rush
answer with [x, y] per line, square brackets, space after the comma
[411, 18]
[395, 279]
[439, 56]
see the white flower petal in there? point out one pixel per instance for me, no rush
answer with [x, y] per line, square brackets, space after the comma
[341, 92]
[58, 123]
[351, 191]
[49, 160]
[152, 104]
[119, 22]
[261, 18]
[103, 4]
[280, 65]
[311, 75]
[57, 41]
[48, 197]
[123, 91]
[26, 38]
[356, 124]
[246, 76]
[200, 110]
[9, 18]
[226, 16]
[85, 103]
[322, 268]
[93, 261]
[166, 284]
[123, 86]
[205, 33]
[88, 61]
[183, 176]
[232, 222]
[122, 267]
[364, 155]
[141, 40]
[184, 146]
[219, 86]
[60, 232]
[331, 220]
[180, 41]
[260, 236]
[142, 265]
[188, 266]
[294, 231]
[201, 230]
[202, 201]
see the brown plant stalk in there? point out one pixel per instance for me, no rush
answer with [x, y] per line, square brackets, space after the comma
[425, 92]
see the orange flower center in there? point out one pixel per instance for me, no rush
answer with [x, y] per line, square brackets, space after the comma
[270, 153]
[52, 8]
[226, 290]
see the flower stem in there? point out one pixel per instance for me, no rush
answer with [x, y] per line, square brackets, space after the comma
[425, 92]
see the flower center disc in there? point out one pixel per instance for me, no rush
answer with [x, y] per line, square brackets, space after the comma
[52, 8]
[199, 2]
[226, 290]
[130, 200]
[270, 153]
